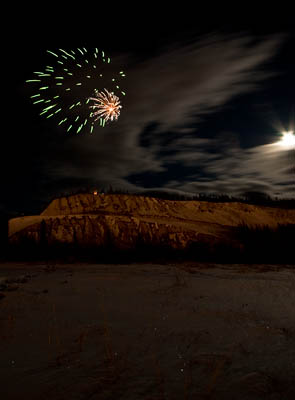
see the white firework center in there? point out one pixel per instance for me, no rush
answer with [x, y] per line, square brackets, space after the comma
[106, 105]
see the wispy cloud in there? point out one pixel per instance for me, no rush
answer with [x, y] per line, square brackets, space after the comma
[173, 90]
[262, 168]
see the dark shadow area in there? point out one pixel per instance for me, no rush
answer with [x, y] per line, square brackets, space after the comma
[268, 245]
[4, 218]
[245, 245]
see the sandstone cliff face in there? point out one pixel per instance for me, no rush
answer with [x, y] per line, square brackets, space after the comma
[119, 231]
[124, 221]
[230, 214]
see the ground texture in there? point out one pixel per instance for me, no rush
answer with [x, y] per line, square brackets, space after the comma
[147, 331]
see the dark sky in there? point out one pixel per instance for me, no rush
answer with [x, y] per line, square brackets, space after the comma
[207, 97]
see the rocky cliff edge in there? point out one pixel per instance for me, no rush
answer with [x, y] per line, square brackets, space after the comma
[124, 220]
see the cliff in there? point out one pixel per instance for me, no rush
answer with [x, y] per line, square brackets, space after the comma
[125, 221]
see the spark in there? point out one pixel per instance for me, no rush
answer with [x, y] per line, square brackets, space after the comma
[106, 105]
[51, 52]
[79, 129]
[49, 107]
[62, 121]
[67, 54]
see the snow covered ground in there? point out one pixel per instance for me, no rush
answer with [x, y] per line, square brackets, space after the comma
[147, 331]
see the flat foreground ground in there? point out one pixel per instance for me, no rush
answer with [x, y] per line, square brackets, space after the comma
[146, 331]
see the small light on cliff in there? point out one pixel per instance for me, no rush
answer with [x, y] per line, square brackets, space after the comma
[95, 193]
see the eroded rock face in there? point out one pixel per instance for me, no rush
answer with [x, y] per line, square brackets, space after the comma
[125, 220]
[122, 232]
[230, 214]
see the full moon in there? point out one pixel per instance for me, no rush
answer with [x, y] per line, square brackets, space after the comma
[287, 140]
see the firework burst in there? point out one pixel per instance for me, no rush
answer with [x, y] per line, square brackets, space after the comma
[106, 106]
[63, 88]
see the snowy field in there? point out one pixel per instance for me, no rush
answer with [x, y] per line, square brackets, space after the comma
[147, 331]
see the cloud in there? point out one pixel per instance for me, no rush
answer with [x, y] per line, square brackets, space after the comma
[262, 168]
[172, 90]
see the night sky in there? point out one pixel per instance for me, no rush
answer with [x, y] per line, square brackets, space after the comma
[207, 96]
